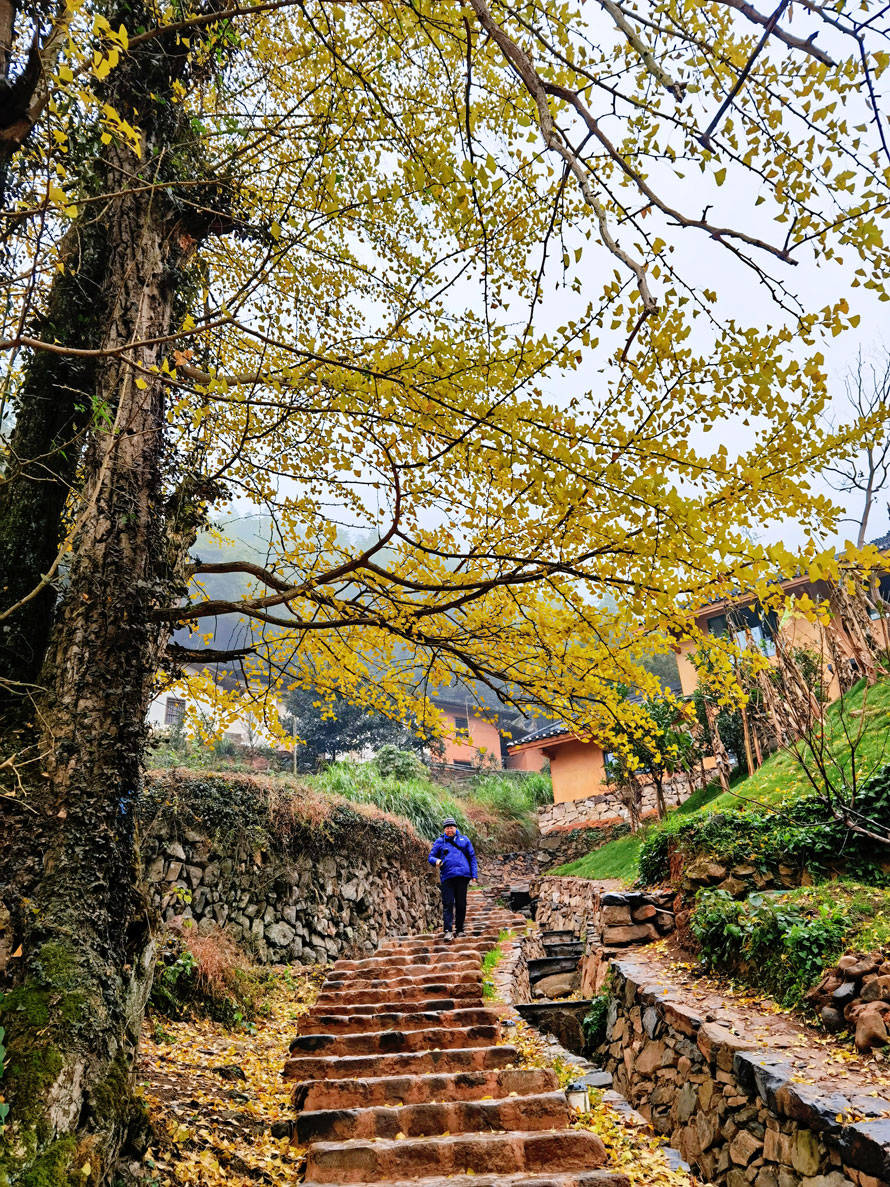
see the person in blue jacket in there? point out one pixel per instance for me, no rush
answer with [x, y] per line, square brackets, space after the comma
[455, 858]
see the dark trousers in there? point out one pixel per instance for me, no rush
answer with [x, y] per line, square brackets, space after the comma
[454, 901]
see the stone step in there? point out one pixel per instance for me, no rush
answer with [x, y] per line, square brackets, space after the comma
[347, 1067]
[420, 1005]
[490, 1153]
[546, 1111]
[575, 950]
[472, 931]
[369, 1092]
[447, 952]
[558, 937]
[319, 1022]
[426, 976]
[549, 966]
[448, 959]
[388, 996]
[438, 947]
[580, 1178]
[387, 1042]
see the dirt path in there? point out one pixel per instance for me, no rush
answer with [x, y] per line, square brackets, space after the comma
[817, 1058]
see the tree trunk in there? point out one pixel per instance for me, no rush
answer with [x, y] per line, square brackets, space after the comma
[658, 779]
[746, 734]
[74, 1010]
[76, 951]
[53, 409]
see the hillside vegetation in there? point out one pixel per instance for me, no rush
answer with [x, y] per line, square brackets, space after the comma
[779, 782]
[495, 809]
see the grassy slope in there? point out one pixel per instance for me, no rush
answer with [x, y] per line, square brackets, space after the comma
[779, 778]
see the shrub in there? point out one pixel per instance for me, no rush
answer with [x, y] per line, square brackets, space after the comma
[393, 763]
[202, 973]
[781, 943]
[803, 834]
[594, 1022]
[512, 797]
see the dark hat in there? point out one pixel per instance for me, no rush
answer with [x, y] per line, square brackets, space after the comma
[449, 820]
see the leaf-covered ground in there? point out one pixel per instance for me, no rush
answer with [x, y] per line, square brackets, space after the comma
[213, 1094]
[632, 1147]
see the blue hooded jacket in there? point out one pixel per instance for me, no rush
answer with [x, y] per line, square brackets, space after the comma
[457, 856]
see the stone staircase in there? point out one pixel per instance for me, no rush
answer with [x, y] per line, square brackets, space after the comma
[401, 1077]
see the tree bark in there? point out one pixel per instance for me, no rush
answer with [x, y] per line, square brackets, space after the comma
[78, 990]
[53, 409]
[76, 950]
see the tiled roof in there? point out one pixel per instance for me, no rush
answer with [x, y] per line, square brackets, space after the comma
[549, 731]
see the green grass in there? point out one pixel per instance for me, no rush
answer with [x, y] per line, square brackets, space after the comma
[490, 962]
[418, 800]
[615, 859]
[494, 805]
[781, 776]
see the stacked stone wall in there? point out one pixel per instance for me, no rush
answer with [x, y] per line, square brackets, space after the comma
[607, 918]
[606, 810]
[736, 1114]
[319, 890]
[499, 872]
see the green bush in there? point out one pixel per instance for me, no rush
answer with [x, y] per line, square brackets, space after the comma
[594, 1022]
[393, 763]
[653, 862]
[780, 943]
[804, 834]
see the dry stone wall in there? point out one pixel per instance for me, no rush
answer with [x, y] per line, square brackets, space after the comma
[310, 893]
[607, 917]
[606, 810]
[737, 1115]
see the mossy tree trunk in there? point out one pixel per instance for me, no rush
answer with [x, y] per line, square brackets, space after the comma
[76, 952]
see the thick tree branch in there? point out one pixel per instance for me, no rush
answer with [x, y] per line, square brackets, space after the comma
[806, 45]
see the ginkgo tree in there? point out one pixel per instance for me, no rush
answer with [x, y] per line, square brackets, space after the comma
[399, 271]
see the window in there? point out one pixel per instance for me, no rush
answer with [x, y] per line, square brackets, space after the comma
[762, 627]
[462, 762]
[462, 725]
[174, 711]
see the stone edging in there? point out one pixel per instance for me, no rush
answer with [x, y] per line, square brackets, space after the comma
[733, 1111]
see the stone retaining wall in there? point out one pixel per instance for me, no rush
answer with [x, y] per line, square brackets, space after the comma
[510, 975]
[606, 810]
[734, 1113]
[342, 884]
[499, 872]
[607, 917]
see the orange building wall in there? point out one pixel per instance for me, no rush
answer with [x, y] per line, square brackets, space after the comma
[578, 769]
[532, 759]
[484, 742]
[797, 631]
[688, 674]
